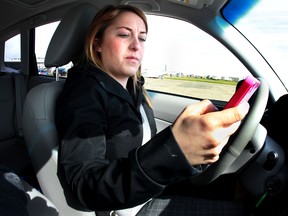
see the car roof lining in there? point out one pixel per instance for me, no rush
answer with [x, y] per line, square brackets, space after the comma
[29, 10]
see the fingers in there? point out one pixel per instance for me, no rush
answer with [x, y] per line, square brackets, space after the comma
[202, 133]
[223, 133]
[226, 118]
[204, 106]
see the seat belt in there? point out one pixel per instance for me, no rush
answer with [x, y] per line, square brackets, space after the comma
[19, 104]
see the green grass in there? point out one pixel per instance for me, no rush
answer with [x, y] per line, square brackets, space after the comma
[225, 82]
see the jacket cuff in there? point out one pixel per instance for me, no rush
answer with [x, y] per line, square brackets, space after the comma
[163, 161]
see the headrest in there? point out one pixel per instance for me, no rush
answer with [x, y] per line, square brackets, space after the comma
[67, 42]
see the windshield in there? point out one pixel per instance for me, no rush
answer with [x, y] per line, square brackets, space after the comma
[265, 24]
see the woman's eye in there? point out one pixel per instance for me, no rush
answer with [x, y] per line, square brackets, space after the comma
[142, 39]
[123, 35]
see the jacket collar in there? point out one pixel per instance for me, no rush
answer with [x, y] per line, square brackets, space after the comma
[109, 84]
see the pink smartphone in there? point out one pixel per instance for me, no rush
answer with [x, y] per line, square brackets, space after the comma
[244, 92]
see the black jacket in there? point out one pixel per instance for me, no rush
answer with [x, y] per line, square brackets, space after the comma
[100, 155]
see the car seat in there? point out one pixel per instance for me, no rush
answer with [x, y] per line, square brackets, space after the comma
[38, 114]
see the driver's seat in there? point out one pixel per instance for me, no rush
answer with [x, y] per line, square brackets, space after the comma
[39, 110]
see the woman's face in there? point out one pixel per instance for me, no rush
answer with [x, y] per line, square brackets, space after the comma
[122, 46]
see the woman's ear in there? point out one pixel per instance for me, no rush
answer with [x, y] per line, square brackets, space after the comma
[97, 45]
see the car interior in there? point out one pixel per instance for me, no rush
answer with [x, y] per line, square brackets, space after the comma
[38, 114]
[28, 135]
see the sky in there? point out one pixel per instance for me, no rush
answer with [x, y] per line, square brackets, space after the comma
[272, 37]
[177, 46]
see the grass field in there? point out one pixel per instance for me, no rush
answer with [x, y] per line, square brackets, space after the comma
[193, 87]
[223, 82]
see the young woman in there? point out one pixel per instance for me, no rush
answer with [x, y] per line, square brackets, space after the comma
[110, 153]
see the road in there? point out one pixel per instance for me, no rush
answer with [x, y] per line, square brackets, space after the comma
[191, 88]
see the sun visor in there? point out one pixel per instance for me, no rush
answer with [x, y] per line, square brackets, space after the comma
[198, 4]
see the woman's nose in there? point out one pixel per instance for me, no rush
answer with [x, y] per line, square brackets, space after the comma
[135, 44]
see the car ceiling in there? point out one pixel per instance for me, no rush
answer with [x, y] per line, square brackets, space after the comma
[37, 12]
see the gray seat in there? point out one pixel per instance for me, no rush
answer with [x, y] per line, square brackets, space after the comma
[12, 95]
[38, 204]
[38, 115]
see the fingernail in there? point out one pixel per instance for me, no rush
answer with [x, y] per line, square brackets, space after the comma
[243, 108]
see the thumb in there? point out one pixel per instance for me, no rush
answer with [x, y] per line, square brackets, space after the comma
[236, 114]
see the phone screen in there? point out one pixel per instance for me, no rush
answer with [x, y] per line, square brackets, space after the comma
[244, 91]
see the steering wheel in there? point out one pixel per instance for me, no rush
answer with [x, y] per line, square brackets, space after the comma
[240, 138]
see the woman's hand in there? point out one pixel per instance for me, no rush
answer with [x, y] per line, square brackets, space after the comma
[202, 133]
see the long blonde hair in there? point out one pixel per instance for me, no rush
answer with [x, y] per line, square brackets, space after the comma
[102, 20]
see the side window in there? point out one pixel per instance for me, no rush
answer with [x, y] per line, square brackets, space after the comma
[182, 59]
[43, 35]
[12, 53]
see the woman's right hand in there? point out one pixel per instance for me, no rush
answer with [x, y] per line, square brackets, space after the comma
[201, 132]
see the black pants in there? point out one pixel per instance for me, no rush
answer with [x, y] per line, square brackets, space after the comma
[188, 206]
[13, 199]
[184, 206]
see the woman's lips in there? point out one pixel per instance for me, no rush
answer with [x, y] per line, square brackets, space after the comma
[132, 59]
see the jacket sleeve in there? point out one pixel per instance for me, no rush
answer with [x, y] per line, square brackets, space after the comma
[101, 184]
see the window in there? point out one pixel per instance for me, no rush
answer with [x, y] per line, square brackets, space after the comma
[12, 53]
[265, 24]
[182, 59]
[179, 59]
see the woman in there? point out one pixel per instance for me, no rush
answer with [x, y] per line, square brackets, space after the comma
[109, 153]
